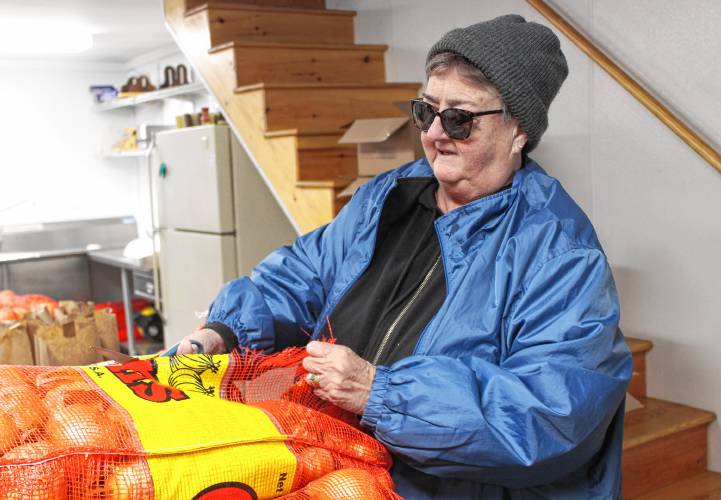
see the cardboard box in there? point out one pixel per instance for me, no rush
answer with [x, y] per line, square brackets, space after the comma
[383, 144]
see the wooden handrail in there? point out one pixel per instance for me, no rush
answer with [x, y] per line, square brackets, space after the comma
[634, 88]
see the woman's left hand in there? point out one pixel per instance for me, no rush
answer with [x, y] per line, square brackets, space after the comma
[339, 375]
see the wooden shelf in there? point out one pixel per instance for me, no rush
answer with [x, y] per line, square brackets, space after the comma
[156, 95]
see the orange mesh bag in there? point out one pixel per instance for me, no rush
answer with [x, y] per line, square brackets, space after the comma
[243, 425]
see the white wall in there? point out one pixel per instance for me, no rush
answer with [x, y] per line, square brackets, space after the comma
[51, 166]
[655, 204]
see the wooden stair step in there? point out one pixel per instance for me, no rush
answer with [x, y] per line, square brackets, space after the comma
[332, 163]
[296, 4]
[663, 442]
[639, 348]
[300, 45]
[320, 157]
[335, 186]
[706, 485]
[256, 62]
[659, 418]
[277, 157]
[322, 107]
[229, 22]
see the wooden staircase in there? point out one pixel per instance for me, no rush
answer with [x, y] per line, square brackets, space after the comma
[664, 444]
[289, 79]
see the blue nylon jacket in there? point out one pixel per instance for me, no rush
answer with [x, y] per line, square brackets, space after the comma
[515, 388]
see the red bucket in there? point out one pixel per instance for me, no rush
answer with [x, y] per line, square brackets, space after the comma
[118, 309]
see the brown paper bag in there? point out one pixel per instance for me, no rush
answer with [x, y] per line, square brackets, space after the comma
[65, 336]
[15, 345]
[67, 343]
[107, 326]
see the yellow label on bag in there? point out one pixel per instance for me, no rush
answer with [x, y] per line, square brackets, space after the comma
[198, 445]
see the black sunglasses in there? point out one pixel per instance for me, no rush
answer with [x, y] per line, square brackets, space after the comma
[457, 123]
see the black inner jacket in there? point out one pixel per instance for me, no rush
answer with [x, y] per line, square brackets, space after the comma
[383, 314]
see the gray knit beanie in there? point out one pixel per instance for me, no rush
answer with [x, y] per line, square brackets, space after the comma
[522, 60]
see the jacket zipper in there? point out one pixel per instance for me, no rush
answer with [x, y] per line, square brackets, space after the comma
[320, 324]
[418, 291]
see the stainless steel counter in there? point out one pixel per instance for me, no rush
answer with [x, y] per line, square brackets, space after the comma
[114, 257]
[128, 267]
[9, 257]
[56, 259]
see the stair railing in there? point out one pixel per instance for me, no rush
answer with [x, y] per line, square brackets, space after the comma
[634, 88]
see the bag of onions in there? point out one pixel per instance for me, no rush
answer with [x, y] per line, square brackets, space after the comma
[243, 425]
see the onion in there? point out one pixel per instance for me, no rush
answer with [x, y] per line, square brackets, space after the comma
[32, 301]
[335, 441]
[16, 391]
[8, 314]
[13, 376]
[9, 432]
[30, 418]
[315, 462]
[51, 379]
[117, 423]
[345, 484]
[30, 451]
[301, 434]
[293, 420]
[21, 402]
[373, 455]
[71, 393]
[357, 445]
[34, 480]
[20, 311]
[127, 480]
[81, 425]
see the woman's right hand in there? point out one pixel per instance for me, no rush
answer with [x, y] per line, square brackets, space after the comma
[211, 341]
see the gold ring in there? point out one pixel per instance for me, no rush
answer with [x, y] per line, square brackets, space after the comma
[312, 380]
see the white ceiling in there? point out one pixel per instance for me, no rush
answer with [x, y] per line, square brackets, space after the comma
[122, 29]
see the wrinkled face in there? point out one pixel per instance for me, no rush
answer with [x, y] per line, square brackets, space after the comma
[485, 162]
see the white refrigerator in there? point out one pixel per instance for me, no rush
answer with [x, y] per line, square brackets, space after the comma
[216, 220]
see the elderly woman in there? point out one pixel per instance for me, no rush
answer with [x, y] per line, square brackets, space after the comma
[475, 312]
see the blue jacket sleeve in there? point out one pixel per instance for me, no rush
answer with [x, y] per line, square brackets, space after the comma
[279, 304]
[538, 413]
